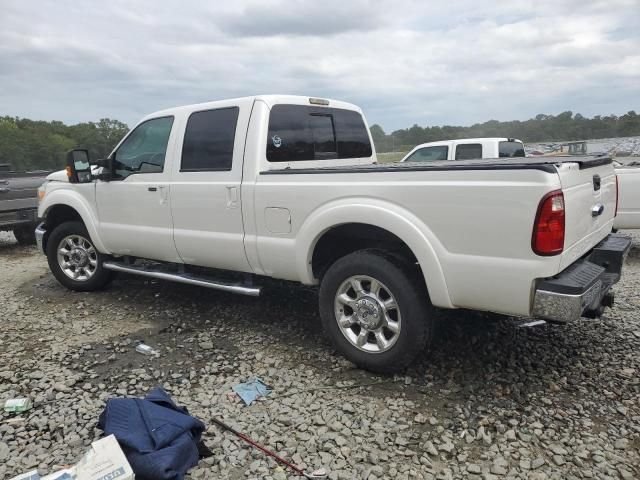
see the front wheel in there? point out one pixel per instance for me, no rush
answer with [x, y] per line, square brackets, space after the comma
[74, 260]
[375, 310]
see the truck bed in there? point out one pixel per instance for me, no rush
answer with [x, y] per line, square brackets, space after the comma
[546, 164]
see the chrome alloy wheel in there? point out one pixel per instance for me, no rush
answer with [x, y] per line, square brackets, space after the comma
[77, 258]
[367, 314]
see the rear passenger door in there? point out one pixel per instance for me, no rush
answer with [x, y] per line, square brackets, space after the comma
[205, 187]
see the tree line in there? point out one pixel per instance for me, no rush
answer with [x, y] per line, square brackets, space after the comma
[38, 145]
[32, 145]
[565, 126]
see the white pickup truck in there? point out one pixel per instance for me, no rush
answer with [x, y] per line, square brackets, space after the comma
[288, 187]
[628, 172]
[466, 148]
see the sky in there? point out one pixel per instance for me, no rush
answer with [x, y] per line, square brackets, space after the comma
[405, 62]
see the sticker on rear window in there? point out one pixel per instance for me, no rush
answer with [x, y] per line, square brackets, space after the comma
[277, 141]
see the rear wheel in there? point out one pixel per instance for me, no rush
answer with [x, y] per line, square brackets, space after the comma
[74, 260]
[25, 235]
[375, 310]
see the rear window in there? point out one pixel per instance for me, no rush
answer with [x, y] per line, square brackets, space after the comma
[428, 154]
[300, 133]
[511, 149]
[467, 151]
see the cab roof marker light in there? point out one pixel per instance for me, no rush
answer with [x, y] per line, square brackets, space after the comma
[318, 101]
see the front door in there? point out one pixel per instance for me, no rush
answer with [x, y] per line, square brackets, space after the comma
[205, 188]
[134, 207]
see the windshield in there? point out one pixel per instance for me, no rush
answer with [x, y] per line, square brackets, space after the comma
[511, 149]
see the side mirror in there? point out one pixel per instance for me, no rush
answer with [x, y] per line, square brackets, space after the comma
[78, 166]
[105, 174]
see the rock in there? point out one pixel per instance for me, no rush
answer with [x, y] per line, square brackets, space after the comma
[621, 444]
[446, 447]
[4, 452]
[559, 460]
[498, 470]
[474, 468]
[558, 450]
[430, 449]
[537, 463]
[206, 345]
[419, 418]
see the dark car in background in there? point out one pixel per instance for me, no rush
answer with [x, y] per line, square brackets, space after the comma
[19, 202]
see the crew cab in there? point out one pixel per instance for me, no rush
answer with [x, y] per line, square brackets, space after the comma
[222, 194]
[465, 149]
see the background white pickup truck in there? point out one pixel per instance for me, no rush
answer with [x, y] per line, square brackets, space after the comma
[466, 148]
[288, 187]
[628, 172]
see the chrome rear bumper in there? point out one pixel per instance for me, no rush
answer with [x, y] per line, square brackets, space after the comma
[583, 289]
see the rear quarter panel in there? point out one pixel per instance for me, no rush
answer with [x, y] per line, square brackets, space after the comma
[470, 230]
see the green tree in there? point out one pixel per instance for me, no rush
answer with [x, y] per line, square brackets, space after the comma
[28, 144]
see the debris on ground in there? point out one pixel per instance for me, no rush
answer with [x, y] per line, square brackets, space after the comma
[17, 405]
[250, 391]
[105, 460]
[160, 439]
[319, 473]
[145, 349]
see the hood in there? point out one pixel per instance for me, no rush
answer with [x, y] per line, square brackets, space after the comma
[59, 176]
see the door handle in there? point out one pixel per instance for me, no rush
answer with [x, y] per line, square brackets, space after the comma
[232, 197]
[152, 189]
[164, 194]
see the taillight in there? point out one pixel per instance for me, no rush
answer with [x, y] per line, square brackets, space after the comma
[617, 195]
[548, 229]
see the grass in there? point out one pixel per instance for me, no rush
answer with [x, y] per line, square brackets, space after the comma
[390, 157]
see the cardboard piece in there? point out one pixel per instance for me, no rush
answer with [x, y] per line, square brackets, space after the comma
[104, 461]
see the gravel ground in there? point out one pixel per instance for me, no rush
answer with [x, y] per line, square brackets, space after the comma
[489, 401]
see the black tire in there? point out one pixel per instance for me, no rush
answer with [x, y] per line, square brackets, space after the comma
[25, 235]
[405, 284]
[98, 279]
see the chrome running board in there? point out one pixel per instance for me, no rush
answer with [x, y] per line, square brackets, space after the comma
[182, 278]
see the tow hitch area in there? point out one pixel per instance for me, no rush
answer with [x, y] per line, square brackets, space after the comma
[584, 288]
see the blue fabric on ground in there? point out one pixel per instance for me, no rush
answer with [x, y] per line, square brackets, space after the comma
[158, 437]
[251, 390]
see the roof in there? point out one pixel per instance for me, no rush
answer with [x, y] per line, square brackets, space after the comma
[270, 100]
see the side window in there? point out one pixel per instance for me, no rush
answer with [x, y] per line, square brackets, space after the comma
[299, 133]
[208, 140]
[510, 149]
[467, 151]
[429, 154]
[143, 151]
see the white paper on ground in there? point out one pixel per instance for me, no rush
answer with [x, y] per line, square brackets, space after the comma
[104, 461]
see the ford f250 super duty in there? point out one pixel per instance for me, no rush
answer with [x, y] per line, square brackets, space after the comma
[288, 187]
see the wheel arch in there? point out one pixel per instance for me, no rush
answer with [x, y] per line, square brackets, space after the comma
[60, 207]
[369, 223]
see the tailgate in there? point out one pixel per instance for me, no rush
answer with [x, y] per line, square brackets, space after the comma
[590, 201]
